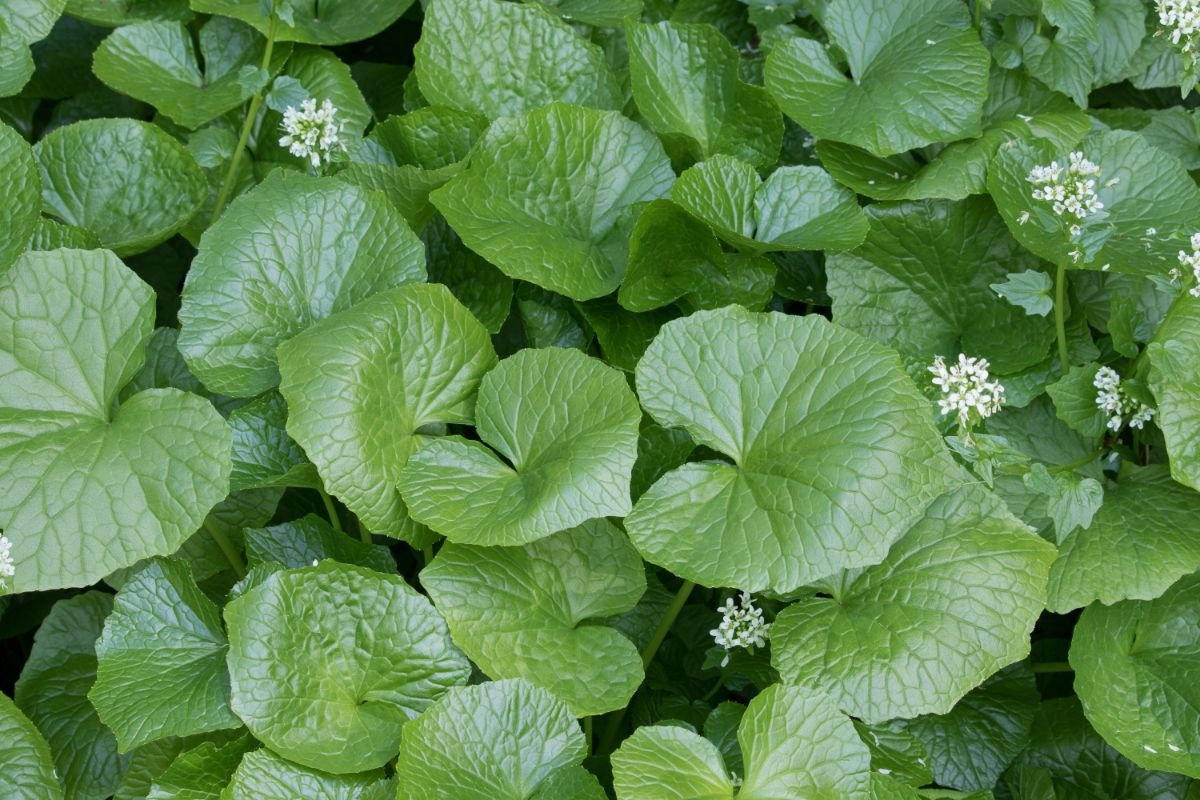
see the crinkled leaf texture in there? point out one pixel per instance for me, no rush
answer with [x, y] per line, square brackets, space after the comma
[302, 541]
[25, 758]
[282, 257]
[161, 659]
[955, 600]
[327, 22]
[1137, 673]
[263, 775]
[503, 740]
[1175, 380]
[559, 433]
[366, 386]
[531, 612]
[263, 454]
[549, 197]
[832, 451]
[919, 75]
[128, 182]
[88, 486]
[795, 742]
[21, 205]
[329, 662]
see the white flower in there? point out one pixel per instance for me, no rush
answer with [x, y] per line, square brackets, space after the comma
[1181, 22]
[1151, 231]
[1070, 189]
[1021, 220]
[1117, 403]
[966, 388]
[7, 567]
[1192, 261]
[312, 132]
[742, 625]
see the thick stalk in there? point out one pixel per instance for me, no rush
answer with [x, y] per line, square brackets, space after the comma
[978, 13]
[227, 547]
[247, 127]
[427, 554]
[330, 509]
[1060, 312]
[363, 532]
[587, 733]
[1052, 666]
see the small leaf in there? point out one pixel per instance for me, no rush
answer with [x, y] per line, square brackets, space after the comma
[1029, 290]
[1074, 397]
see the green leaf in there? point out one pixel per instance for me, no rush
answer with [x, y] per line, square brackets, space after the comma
[550, 197]
[564, 427]
[532, 612]
[675, 257]
[202, 772]
[685, 81]
[895, 753]
[1137, 673]
[162, 660]
[327, 22]
[795, 741]
[1120, 30]
[330, 683]
[263, 775]
[1079, 764]
[51, 235]
[833, 450]
[21, 207]
[25, 757]
[364, 385]
[954, 601]
[503, 59]
[87, 487]
[923, 283]
[551, 320]
[263, 453]
[484, 290]
[1029, 290]
[1139, 543]
[156, 62]
[52, 692]
[110, 14]
[22, 23]
[1071, 499]
[919, 75]
[1152, 192]
[1175, 380]
[974, 743]
[505, 740]
[795, 208]
[623, 335]
[1074, 397]
[126, 181]
[282, 257]
[300, 542]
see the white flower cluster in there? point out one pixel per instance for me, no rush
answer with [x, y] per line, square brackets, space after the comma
[7, 568]
[1192, 261]
[1181, 19]
[1071, 190]
[966, 388]
[311, 132]
[1116, 402]
[742, 625]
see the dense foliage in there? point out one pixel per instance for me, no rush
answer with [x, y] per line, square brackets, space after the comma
[571, 399]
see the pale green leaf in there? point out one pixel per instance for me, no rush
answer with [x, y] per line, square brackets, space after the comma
[21, 206]
[263, 775]
[326, 22]
[1175, 380]
[25, 757]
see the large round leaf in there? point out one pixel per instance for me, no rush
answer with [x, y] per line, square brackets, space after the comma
[128, 182]
[282, 257]
[921, 283]
[162, 659]
[833, 450]
[156, 62]
[1137, 672]
[1140, 542]
[794, 741]
[919, 75]
[502, 59]
[365, 385]
[88, 486]
[25, 758]
[686, 83]
[527, 612]
[954, 601]
[549, 197]
[325, 22]
[506, 740]
[566, 426]
[1175, 380]
[262, 775]
[1146, 192]
[52, 692]
[795, 208]
[328, 663]
[21, 206]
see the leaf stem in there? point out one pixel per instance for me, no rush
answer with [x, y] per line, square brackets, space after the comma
[427, 553]
[363, 533]
[247, 127]
[330, 509]
[978, 13]
[1052, 666]
[1060, 310]
[587, 733]
[227, 547]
